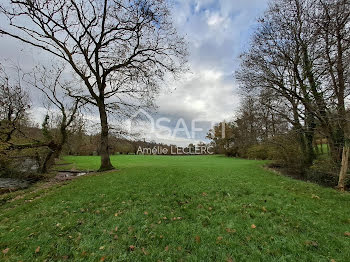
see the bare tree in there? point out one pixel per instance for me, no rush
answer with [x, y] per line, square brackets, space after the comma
[14, 104]
[300, 54]
[61, 107]
[15, 135]
[333, 22]
[18, 138]
[293, 55]
[273, 67]
[120, 49]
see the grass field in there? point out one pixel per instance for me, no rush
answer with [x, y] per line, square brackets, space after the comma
[200, 208]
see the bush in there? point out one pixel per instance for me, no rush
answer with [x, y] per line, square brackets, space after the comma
[325, 172]
[231, 152]
[261, 151]
[286, 152]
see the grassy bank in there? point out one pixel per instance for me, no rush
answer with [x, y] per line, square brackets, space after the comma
[200, 208]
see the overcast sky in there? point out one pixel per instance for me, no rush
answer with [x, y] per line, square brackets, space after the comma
[217, 32]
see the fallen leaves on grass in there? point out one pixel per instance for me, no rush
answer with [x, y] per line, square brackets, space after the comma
[5, 251]
[37, 250]
[146, 213]
[131, 248]
[264, 209]
[253, 226]
[103, 259]
[144, 251]
[118, 213]
[347, 234]
[102, 247]
[219, 239]
[198, 239]
[311, 243]
[166, 248]
[78, 237]
[230, 230]
[315, 196]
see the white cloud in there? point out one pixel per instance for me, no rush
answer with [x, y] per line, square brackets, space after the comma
[214, 19]
[217, 31]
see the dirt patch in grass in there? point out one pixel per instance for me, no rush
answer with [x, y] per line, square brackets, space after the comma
[39, 188]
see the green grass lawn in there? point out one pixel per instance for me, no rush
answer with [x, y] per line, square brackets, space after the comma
[160, 208]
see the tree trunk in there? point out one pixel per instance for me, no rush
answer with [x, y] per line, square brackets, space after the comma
[105, 159]
[336, 144]
[309, 136]
[344, 168]
[317, 150]
[55, 148]
[47, 162]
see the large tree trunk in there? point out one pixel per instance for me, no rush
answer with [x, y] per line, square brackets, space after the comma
[105, 159]
[344, 168]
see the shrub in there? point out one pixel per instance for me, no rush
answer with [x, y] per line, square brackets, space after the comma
[261, 151]
[232, 152]
[325, 172]
[286, 152]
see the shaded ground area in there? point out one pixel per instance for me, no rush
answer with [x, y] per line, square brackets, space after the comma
[324, 178]
[11, 184]
[14, 184]
[200, 208]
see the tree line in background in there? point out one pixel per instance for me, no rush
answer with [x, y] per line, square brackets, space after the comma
[295, 81]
